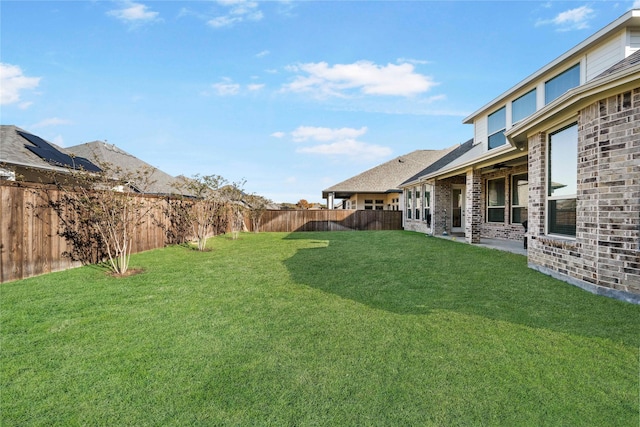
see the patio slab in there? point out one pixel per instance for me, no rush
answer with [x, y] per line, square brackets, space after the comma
[513, 246]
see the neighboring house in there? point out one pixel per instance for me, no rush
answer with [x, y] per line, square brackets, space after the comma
[27, 157]
[379, 187]
[557, 154]
[125, 164]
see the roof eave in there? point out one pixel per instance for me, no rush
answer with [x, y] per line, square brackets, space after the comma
[629, 19]
[572, 101]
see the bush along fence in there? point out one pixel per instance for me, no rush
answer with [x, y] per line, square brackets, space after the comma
[45, 228]
[42, 230]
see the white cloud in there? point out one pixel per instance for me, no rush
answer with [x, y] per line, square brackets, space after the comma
[237, 11]
[305, 133]
[12, 82]
[223, 21]
[266, 52]
[573, 19]
[54, 121]
[226, 88]
[350, 148]
[636, 4]
[336, 142]
[58, 140]
[133, 13]
[412, 61]
[364, 76]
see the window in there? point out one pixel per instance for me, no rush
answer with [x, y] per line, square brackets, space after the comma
[561, 83]
[427, 205]
[495, 200]
[562, 181]
[523, 106]
[368, 204]
[379, 206]
[519, 198]
[497, 123]
[408, 207]
[418, 202]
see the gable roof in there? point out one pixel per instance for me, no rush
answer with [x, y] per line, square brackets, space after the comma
[387, 177]
[27, 150]
[453, 157]
[103, 153]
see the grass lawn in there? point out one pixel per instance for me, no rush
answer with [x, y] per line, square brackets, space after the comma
[334, 329]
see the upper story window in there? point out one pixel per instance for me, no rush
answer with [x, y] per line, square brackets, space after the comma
[561, 83]
[497, 123]
[562, 181]
[523, 106]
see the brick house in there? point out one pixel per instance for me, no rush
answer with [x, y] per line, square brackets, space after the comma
[555, 158]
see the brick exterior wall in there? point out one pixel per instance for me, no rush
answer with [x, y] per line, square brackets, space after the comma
[441, 219]
[605, 255]
[501, 230]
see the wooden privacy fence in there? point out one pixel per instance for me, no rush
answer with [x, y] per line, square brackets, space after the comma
[29, 240]
[30, 244]
[329, 220]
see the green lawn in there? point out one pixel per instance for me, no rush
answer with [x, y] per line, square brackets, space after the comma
[333, 329]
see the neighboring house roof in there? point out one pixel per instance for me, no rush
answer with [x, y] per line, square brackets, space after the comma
[387, 177]
[629, 19]
[453, 157]
[108, 154]
[19, 148]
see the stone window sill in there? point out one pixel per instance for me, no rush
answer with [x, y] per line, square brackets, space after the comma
[556, 241]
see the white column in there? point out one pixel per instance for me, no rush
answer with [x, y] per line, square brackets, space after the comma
[330, 197]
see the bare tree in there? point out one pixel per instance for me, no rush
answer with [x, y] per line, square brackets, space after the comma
[100, 212]
[234, 196]
[206, 215]
[256, 206]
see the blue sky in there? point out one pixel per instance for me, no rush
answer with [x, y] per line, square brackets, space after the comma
[292, 96]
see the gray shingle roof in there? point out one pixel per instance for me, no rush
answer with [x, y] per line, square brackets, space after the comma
[102, 153]
[387, 177]
[452, 157]
[14, 151]
[627, 62]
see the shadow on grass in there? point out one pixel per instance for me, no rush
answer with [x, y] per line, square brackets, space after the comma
[411, 274]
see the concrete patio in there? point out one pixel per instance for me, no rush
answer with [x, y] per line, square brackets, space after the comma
[513, 246]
